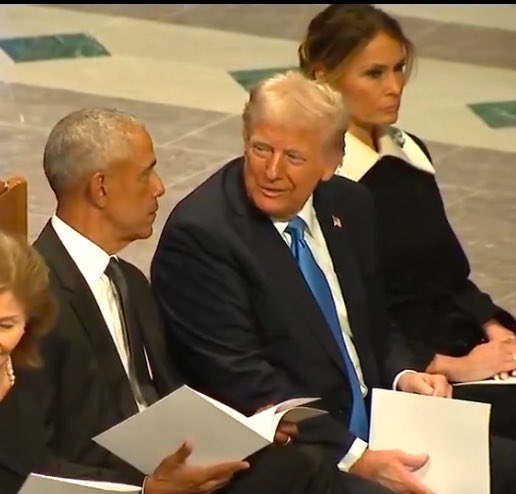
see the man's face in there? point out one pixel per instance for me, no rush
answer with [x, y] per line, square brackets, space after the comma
[284, 166]
[132, 190]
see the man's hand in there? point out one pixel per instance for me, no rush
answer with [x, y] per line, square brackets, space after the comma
[393, 469]
[286, 431]
[425, 384]
[175, 476]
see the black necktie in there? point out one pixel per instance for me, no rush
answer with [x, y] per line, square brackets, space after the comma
[141, 382]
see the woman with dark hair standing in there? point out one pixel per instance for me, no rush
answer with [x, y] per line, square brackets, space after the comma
[452, 326]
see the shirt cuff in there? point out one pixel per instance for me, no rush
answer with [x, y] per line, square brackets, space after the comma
[355, 452]
[143, 485]
[397, 378]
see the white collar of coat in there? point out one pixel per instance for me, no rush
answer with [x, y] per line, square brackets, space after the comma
[360, 158]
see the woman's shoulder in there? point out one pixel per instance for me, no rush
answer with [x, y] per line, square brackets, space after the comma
[404, 138]
[413, 147]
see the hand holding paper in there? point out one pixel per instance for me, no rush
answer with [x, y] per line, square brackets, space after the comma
[393, 469]
[174, 474]
[425, 384]
[278, 422]
[454, 434]
[285, 432]
[219, 433]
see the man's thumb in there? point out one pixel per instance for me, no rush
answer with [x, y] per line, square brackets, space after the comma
[182, 454]
[415, 462]
[177, 458]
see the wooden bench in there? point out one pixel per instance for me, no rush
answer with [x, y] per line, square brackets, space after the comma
[13, 206]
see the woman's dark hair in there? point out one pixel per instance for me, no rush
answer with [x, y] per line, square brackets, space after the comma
[340, 31]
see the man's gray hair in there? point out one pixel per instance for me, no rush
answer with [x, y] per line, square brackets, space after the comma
[299, 102]
[86, 141]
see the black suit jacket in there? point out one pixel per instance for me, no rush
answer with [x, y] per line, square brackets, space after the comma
[21, 434]
[240, 319]
[429, 293]
[83, 386]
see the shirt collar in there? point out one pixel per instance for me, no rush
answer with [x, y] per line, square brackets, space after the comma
[91, 260]
[307, 214]
[360, 158]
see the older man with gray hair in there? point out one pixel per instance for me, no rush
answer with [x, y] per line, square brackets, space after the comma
[266, 278]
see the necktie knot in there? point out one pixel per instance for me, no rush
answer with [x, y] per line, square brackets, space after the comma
[113, 268]
[296, 229]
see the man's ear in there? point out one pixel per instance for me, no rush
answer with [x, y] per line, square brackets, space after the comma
[330, 166]
[97, 188]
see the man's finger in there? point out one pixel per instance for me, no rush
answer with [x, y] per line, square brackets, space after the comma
[424, 388]
[214, 485]
[288, 428]
[281, 438]
[449, 390]
[415, 486]
[414, 462]
[442, 388]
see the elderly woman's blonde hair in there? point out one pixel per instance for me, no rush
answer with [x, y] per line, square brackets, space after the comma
[23, 272]
[293, 100]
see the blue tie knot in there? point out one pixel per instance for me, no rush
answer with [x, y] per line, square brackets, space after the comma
[296, 228]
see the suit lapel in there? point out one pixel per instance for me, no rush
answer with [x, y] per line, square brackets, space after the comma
[83, 303]
[337, 232]
[85, 306]
[283, 277]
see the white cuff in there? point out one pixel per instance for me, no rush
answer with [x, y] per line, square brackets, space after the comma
[355, 452]
[397, 378]
[144, 482]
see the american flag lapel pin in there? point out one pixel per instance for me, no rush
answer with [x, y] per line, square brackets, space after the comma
[336, 221]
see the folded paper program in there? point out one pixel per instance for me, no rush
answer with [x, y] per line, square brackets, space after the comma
[218, 433]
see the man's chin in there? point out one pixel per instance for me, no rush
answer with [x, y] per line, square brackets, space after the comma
[270, 208]
[144, 233]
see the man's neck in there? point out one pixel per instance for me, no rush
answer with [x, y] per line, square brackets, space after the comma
[92, 227]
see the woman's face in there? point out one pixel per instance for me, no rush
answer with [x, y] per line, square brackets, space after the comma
[12, 327]
[373, 81]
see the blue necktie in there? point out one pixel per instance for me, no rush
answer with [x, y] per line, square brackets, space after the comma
[318, 284]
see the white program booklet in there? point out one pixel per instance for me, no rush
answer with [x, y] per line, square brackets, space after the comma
[454, 433]
[42, 484]
[217, 432]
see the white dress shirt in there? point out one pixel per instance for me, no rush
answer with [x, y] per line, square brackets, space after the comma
[92, 261]
[315, 239]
